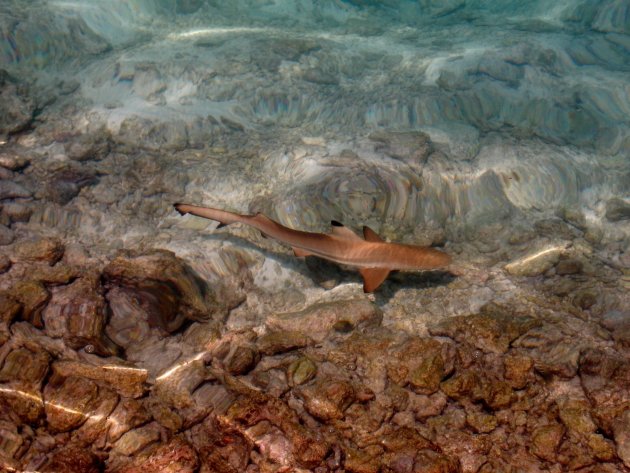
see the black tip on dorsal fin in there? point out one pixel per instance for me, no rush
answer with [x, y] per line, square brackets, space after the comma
[335, 223]
[221, 225]
[177, 207]
[370, 235]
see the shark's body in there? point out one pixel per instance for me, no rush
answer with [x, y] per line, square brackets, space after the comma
[374, 257]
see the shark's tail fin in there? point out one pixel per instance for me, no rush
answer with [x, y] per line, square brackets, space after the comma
[221, 216]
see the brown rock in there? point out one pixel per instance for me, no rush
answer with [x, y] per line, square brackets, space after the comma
[5, 263]
[176, 456]
[362, 461]
[94, 429]
[175, 385]
[576, 417]
[481, 422]
[24, 365]
[166, 286]
[33, 296]
[429, 461]
[49, 250]
[621, 431]
[491, 331]
[127, 415]
[421, 364]
[242, 359]
[24, 400]
[273, 343]
[327, 399]
[301, 371]
[319, 319]
[545, 441]
[77, 313]
[164, 414]
[569, 266]
[128, 381]
[53, 275]
[72, 460]
[518, 370]
[16, 211]
[9, 308]
[605, 377]
[68, 402]
[137, 439]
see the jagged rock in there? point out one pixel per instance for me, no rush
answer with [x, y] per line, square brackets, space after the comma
[546, 440]
[16, 108]
[569, 266]
[175, 385]
[9, 308]
[126, 380]
[5, 263]
[6, 235]
[33, 297]
[421, 363]
[127, 415]
[576, 417]
[90, 147]
[13, 190]
[319, 319]
[621, 430]
[94, 429]
[518, 370]
[481, 422]
[13, 161]
[137, 439]
[605, 377]
[72, 460]
[175, 456]
[412, 147]
[328, 398]
[65, 184]
[68, 402]
[492, 330]
[23, 399]
[25, 366]
[166, 287]
[617, 209]
[77, 313]
[49, 250]
[241, 360]
[16, 211]
[273, 343]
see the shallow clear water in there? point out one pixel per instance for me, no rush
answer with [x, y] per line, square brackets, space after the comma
[497, 131]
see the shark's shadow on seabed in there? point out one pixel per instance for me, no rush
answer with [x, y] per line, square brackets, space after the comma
[327, 274]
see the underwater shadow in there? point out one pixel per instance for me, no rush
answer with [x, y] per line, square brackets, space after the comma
[327, 274]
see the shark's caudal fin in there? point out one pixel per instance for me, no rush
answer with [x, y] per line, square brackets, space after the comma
[373, 277]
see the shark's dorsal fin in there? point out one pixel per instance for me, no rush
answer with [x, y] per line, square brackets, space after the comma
[370, 235]
[342, 231]
[373, 277]
[301, 252]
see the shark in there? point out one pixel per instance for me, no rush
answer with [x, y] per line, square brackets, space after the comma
[374, 257]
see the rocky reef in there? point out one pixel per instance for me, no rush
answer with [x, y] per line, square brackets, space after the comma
[136, 340]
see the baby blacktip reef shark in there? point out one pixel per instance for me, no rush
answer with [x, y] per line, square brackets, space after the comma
[374, 257]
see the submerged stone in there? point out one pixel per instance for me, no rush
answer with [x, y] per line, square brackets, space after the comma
[166, 287]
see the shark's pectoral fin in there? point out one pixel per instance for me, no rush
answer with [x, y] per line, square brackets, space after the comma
[299, 252]
[373, 277]
[370, 235]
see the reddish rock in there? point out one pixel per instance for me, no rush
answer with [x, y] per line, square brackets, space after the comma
[328, 398]
[167, 287]
[72, 460]
[176, 456]
[49, 250]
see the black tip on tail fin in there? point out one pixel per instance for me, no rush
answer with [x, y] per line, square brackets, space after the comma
[335, 223]
[221, 225]
[179, 211]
